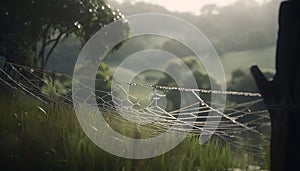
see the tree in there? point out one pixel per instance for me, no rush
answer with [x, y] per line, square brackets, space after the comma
[177, 48]
[198, 73]
[33, 28]
[233, 27]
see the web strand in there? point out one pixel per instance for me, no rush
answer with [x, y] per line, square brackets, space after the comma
[248, 118]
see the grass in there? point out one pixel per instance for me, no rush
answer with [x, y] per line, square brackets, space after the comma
[33, 139]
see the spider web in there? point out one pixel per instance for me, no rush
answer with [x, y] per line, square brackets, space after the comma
[243, 124]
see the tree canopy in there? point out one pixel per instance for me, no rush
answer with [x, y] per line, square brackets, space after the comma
[31, 29]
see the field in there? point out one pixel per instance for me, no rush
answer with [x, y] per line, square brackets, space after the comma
[35, 136]
[264, 58]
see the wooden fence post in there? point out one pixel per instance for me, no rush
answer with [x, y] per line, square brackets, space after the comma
[282, 94]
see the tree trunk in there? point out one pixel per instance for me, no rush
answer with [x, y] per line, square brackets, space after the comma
[282, 95]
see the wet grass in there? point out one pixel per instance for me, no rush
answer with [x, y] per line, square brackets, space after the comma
[35, 136]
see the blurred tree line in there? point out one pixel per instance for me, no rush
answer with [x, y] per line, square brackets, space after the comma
[244, 25]
[239, 26]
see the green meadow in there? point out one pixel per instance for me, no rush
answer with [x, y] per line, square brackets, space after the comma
[36, 136]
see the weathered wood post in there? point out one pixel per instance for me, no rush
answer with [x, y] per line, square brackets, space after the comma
[282, 94]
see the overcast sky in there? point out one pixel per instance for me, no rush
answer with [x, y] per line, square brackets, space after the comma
[193, 6]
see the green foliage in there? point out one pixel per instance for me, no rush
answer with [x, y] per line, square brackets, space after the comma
[33, 28]
[198, 73]
[39, 137]
[56, 86]
[176, 48]
[196, 68]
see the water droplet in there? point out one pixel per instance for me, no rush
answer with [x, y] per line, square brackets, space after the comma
[108, 6]
[6, 13]
[42, 110]
[113, 13]
[77, 24]
[90, 10]
[103, 7]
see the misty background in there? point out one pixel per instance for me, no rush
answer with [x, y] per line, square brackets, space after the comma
[243, 33]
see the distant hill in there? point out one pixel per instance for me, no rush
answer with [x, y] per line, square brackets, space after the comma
[242, 33]
[243, 25]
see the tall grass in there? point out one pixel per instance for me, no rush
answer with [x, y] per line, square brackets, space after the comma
[35, 136]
